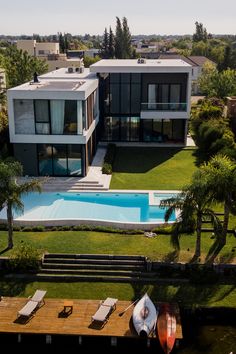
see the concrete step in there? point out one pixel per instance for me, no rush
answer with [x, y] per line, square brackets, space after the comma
[94, 256]
[97, 267]
[111, 262]
[97, 272]
[91, 278]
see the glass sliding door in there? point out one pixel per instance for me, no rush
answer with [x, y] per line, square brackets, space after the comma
[124, 128]
[74, 160]
[152, 96]
[59, 160]
[45, 160]
[134, 128]
[175, 97]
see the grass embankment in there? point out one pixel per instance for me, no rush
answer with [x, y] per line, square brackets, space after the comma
[157, 248]
[152, 168]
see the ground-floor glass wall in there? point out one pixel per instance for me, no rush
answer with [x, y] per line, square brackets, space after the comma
[147, 130]
[60, 159]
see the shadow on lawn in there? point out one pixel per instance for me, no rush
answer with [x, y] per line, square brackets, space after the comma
[12, 287]
[140, 160]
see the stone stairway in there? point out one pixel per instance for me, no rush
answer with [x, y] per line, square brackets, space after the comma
[73, 185]
[88, 267]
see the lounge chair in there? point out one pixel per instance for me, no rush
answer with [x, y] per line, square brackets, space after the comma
[34, 303]
[104, 310]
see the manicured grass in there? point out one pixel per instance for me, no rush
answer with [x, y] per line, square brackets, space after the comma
[157, 248]
[186, 294]
[152, 168]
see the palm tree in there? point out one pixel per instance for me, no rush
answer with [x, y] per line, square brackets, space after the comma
[11, 192]
[193, 205]
[220, 174]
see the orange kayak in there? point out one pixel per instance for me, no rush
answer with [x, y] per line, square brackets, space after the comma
[166, 328]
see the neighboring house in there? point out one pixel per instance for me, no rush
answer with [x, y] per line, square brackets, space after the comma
[231, 113]
[92, 53]
[144, 100]
[197, 63]
[50, 52]
[52, 122]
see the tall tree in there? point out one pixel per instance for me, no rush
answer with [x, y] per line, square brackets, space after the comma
[11, 192]
[111, 45]
[118, 40]
[20, 66]
[105, 45]
[61, 43]
[127, 49]
[220, 176]
[200, 33]
[193, 204]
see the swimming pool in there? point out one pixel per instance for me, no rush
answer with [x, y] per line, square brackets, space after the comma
[106, 206]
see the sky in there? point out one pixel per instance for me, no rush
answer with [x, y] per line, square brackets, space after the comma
[162, 17]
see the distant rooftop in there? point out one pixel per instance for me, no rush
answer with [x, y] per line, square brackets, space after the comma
[133, 65]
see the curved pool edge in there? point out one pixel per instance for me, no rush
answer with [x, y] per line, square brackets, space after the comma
[78, 222]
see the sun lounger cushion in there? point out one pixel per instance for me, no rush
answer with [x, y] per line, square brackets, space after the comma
[105, 309]
[28, 309]
[38, 296]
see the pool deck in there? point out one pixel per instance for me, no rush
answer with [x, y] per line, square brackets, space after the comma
[49, 319]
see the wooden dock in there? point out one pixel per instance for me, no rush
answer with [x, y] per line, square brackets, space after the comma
[49, 319]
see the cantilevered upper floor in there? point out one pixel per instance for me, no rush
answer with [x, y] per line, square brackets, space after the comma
[58, 107]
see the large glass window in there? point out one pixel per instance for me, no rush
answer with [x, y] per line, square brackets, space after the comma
[134, 128]
[58, 117]
[175, 97]
[135, 98]
[114, 99]
[125, 98]
[45, 160]
[74, 160]
[70, 117]
[124, 128]
[41, 111]
[59, 160]
[147, 130]
[24, 116]
[167, 129]
[164, 97]
[157, 131]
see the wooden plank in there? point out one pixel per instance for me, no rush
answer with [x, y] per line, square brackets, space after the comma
[49, 319]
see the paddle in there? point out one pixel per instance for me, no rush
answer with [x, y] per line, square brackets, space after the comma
[122, 313]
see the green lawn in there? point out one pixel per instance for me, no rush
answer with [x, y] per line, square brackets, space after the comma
[152, 168]
[157, 248]
[186, 294]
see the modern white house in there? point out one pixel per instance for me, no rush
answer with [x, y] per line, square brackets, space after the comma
[52, 122]
[56, 120]
[144, 100]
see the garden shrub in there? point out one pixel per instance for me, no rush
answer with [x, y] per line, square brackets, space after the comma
[109, 159]
[24, 258]
[39, 228]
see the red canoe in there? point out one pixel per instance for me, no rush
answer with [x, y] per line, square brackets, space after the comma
[166, 328]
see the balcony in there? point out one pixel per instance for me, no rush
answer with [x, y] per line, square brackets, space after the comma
[170, 110]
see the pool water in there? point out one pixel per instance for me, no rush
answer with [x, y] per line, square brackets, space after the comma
[120, 207]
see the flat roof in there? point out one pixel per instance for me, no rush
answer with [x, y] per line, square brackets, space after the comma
[61, 80]
[63, 73]
[133, 65]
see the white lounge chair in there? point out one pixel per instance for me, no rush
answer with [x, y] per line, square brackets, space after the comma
[35, 302]
[104, 310]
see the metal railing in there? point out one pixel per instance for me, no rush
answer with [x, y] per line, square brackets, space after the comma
[158, 106]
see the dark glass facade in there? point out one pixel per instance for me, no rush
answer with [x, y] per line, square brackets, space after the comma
[124, 95]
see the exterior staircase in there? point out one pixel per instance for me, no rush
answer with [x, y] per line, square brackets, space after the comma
[74, 185]
[88, 267]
